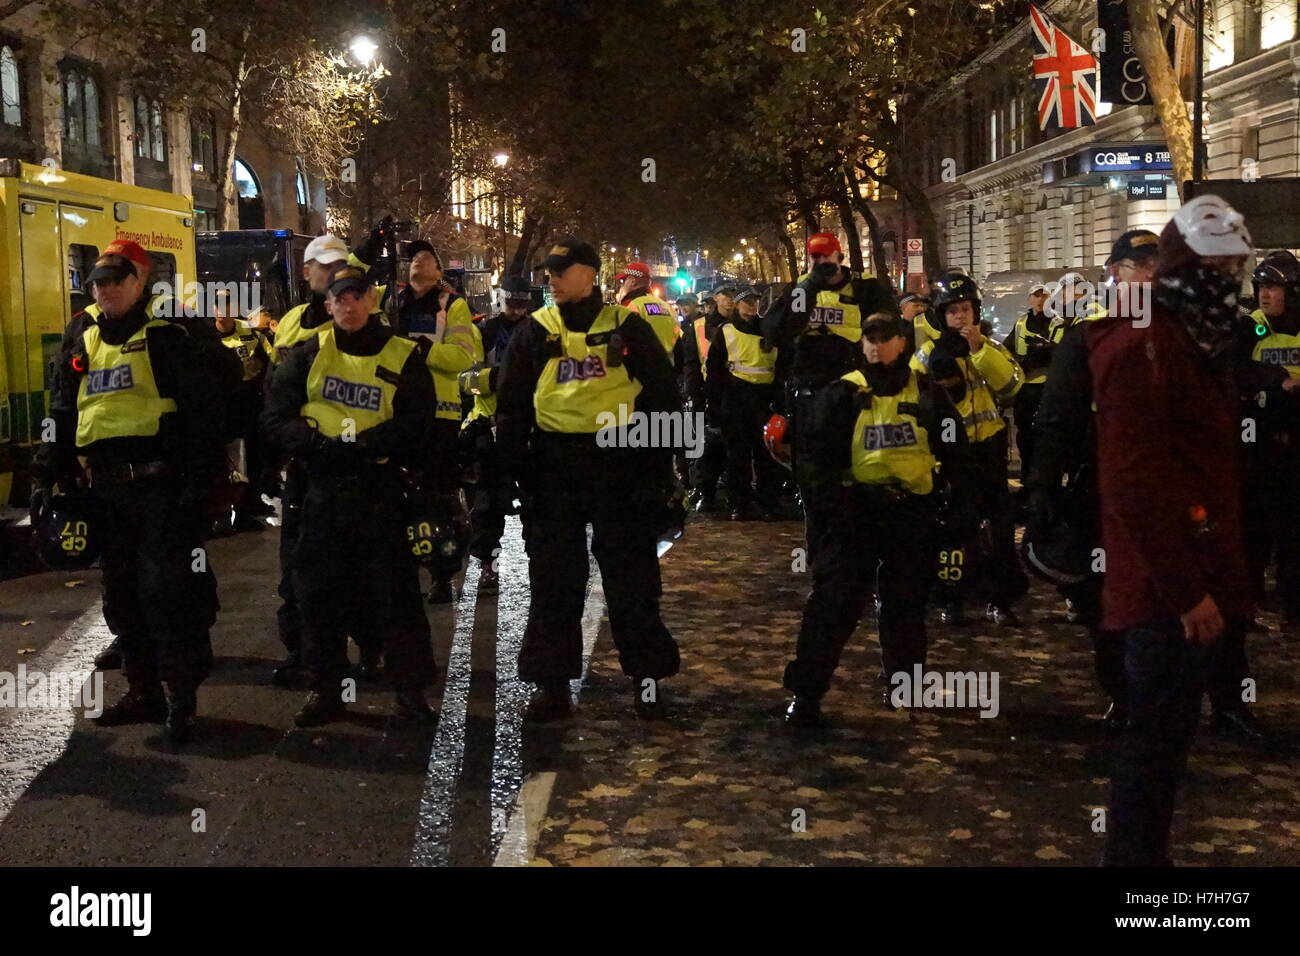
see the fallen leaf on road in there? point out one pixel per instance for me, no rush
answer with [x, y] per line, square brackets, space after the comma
[73, 584]
[1050, 853]
[1001, 814]
[960, 834]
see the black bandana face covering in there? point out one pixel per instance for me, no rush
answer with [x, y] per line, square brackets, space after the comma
[1205, 301]
[889, 379]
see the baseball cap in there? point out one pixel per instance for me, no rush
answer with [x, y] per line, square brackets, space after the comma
[1136, 244]
[746, 292]
[345, 278]
[130, 250]
[823, 244]
[516, 287]
[634, 270]
[325, 249]
[568, 252]
[884, 322]
[687, 298]
[420, 245]
[1039, 288]
[110, 267]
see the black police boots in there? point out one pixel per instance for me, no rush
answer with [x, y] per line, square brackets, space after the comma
[182, 703]
[1241, 723]
[288, 671]
[368, 668]
[411, 705]
[805, 713]
[953, 614]
[440, 593]
[489, 582]
[110, 658]
[139, 705]
[1002, 616]
[320, 709]
[647, 699]
[1115, 720]
[549, 702]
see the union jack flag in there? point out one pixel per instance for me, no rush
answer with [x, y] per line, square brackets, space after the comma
[1065, 76]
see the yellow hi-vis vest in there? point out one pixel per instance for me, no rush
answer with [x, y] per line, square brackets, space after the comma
[1277, 348]
[1262, 325]
[701, 326]
[289, 331]
[889, 445]
[359, 388]
[118, 396]
[661, 318]
[837, 313]
[746, 357]
[246, 343]
[477, 383]
[992, 379]
[1023, 337]
[577, 384]
[454, 350]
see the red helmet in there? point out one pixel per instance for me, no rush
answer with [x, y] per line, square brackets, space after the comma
[774, 438]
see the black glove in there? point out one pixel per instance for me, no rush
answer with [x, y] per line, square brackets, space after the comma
[39, 507]
[326, 451]
[370, 248]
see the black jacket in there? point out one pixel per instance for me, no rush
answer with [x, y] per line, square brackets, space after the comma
[692, 371]
[404, 439]
[820, 357]
[185, 370]
[1064, 427]
[1038, 354]
[646, 362]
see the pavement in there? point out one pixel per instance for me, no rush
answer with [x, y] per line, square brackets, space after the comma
[721, 783]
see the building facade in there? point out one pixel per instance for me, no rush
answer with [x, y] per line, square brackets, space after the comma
[58, 106]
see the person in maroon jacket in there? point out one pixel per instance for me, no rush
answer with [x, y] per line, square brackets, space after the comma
[1176, 581]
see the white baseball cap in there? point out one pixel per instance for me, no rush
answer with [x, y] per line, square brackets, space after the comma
[325, 249]
[1213, 228]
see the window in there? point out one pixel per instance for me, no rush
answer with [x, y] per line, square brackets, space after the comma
[164, 268]
[300, 189]
[159, 141]
[80, 93]
[1277, 22]
[150, 136]
[245, 181]
[205, 220]
[203, 159]
[81, 260]
[11, 104]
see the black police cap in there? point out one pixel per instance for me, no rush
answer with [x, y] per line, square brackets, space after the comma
[571, 251]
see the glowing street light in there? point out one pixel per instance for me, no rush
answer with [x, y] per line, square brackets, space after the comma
[738, 256]
[501, 158]
[363, 49]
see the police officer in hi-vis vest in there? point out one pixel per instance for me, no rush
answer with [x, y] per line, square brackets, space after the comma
[354, 403]
[1031, 342]
[635, 294]
[1269, 382]
[253, 350]
[571, 374]
[741, 386]
[878, 437]
[135, 404]
[982, 378]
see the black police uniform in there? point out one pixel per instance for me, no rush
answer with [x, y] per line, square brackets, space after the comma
[150, 474]
[361, 579]
[568, 481]
[707, 469]
[1035, 356]
[883, 537]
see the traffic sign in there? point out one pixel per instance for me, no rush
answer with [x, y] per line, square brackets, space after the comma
[914, 247]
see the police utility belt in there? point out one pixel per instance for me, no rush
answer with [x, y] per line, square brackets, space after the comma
[117, 474]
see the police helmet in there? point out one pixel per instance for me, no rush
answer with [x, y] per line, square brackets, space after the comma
[1279, 268]
[1059, 554]
[775, 438]
[67, 538]
[950, 288]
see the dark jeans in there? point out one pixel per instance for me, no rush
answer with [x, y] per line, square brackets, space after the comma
[877, 543]
[157, 604]
[1166, 675]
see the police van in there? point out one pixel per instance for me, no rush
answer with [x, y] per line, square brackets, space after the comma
[53, 226]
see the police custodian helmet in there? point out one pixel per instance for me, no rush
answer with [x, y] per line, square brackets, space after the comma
[949, 289]
[1279, 268]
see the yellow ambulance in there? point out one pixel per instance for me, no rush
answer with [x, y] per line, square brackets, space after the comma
[53, 225]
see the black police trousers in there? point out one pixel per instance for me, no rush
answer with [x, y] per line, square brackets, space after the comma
[752, 474]
[290, 624]
[706, 470]
[358, 578]
[1026, 405]
[875, 540]
[993, 573]
[1166, 675]
[573, 484]
[489, 493]
[1271, 522]
[160, 595]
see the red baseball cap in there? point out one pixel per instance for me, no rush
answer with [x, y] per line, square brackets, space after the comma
[634, 269]
[129, 249]
[823, 244]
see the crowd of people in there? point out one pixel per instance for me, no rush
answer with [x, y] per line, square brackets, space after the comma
[1158, 459]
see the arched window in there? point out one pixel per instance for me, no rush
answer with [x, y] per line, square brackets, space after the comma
[90, 97]
[159, 140]
[252, 213]
[11, 105]
[150, 133]
[80, 105]
[245, 182]
[300, 188]
[141, 127]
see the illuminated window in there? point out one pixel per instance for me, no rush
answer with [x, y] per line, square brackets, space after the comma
[1276, 23]
[11, 110]
[80, 93]
[245, 181]
[1220, 36]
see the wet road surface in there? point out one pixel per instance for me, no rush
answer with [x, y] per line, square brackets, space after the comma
[721, 783]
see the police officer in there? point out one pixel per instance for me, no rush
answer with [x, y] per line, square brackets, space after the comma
[879, 433]
[135, 406]
[254, 353]
[635, 294]
[354, 402]
[567, 372]
[429, 309]
[741, 387]
[492, 494]
[1270, 385]
[1031, 341]
[718, 309]
[981, 377]
[816, 326]
[914, 307]
[300, 324]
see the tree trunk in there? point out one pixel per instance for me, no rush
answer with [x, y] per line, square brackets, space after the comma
[1165, 93]
[844, 204]
[226, 172]
[791, 257]
[516, 267]
[878, 264]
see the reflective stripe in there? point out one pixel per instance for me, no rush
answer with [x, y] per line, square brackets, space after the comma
[744, 348]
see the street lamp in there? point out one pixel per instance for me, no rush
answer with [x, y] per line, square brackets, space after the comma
[363, 49]
[501, 158]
